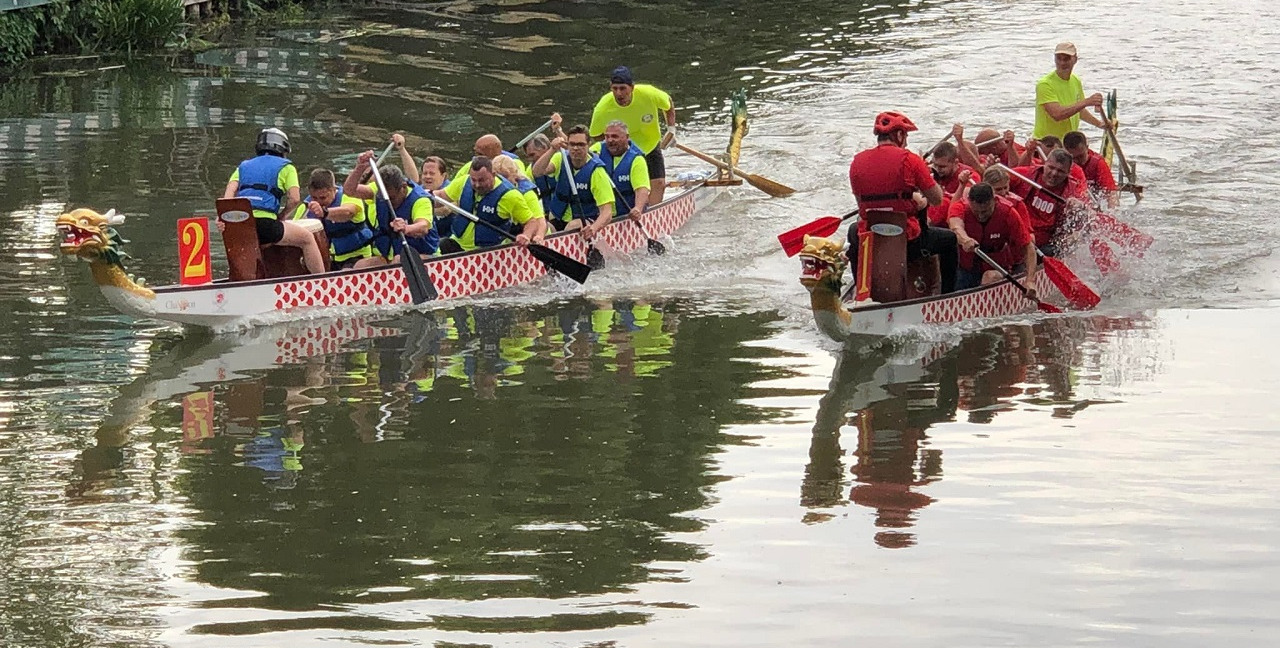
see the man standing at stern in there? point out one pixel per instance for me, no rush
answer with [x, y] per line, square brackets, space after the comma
[639, 107]
[1060, 100]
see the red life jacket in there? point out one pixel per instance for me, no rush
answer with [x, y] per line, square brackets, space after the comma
[1045, 211]
[997, 237]
[879, 180]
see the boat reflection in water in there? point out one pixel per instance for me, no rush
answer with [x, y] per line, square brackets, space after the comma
[453, 458]
[890, 396]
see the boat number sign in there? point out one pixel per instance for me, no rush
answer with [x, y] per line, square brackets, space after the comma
[193, 251]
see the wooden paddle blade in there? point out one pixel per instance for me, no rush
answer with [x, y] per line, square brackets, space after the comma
[793, 240]
[570, 268]
[1076, 291]
[773, 188]
[420, 287]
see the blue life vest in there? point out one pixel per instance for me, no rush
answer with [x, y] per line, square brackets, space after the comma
[259, 182]
[584, 204]
[344, 237]
[620, 170]
[387, 241]
[486, 210]
[546, 188]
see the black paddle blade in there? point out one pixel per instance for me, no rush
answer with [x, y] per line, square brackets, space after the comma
[420, 287]
[595, 260]
[656, 247]
[574, 270]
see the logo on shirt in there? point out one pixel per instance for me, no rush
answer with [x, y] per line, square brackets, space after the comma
[624, 178]
[647, 118]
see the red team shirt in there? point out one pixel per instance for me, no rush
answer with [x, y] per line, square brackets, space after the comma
[1045, 213]
[1003, 237]
[885, 177]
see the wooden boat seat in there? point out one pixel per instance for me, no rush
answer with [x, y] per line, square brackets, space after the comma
[247, 259]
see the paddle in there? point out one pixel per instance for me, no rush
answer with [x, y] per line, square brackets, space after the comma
[525, 140]
[1072, 287]
[929, 152]
[1048, 308]
[775, 189]
[420, 287]
[570, 268]
[792, 240]
[595, 260]
[654, 246]
[1123, 233]
[386, 152]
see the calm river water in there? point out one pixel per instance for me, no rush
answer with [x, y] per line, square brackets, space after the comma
[672, 455]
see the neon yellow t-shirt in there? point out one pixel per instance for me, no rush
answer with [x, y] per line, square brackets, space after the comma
[641, 115]
[286, 180]
[601, 190]
[512, 207]
[1052, 88]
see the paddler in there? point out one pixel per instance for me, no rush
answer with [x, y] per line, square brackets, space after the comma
[583, 198]
[507, 169]
[1060, 100]
[639, 107]
[488, 145]
[410, 212]
[270, 182]
[627, 166]
[494, 200]
[888, 176]
[983, 220]
[343, 217]
[1097, 173]
[1049, 216]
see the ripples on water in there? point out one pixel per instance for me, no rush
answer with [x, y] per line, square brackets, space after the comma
[614, 467]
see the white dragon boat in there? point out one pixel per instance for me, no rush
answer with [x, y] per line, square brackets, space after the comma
[842, 319]
[223, 304]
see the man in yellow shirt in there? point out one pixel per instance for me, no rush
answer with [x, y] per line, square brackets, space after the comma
[583, 197]
[1060, 100]
[494, 200]
[627, 167]
[640, 107]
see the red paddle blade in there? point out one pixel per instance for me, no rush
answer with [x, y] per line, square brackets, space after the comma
[1076, 291]
[1103, 256]
[1124, 234]
[1047, 308]
[793, 240]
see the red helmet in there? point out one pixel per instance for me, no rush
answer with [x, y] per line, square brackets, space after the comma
[887, 122]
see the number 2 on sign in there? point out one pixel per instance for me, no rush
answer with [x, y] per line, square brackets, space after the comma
[193, 251]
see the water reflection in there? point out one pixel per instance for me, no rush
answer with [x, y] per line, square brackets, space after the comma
[460, 455]
[889, 397]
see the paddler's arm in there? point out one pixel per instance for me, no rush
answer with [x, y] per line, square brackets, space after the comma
[342, 213]
[542, 166]
[1062, 113]
[641, 183]
[232, 188]
[407, 164]
[294, 196]
[933, 195]
[352, 186]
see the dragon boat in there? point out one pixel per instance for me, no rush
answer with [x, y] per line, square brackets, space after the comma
[227, 304]
[845, 320]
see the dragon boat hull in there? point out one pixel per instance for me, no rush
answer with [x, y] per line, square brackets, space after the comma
[1002, 299]
[225, 305]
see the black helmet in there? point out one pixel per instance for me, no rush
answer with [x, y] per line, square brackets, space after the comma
[273, 140]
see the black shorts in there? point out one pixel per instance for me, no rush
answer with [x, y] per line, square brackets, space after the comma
[657, 166]
[270, 230]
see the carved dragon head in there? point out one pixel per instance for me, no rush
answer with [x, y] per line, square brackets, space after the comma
[822, 263]
[90, 235]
